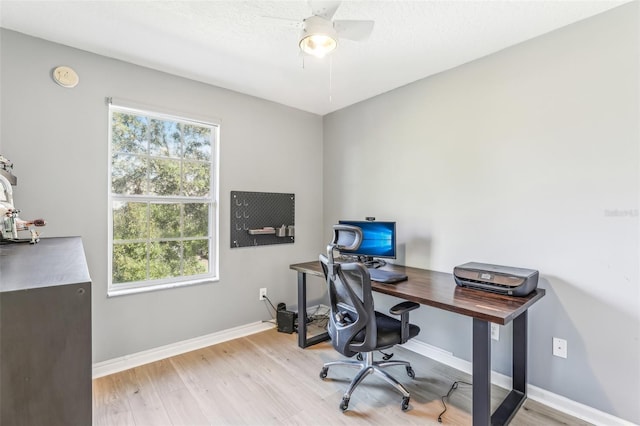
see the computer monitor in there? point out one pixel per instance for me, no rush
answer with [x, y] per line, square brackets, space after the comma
[378, 240]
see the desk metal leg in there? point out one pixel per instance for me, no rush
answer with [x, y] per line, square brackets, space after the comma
[302, 309]
[481, 369]
[520, 353]
[482, 373]
[505, 412]
[303, 342]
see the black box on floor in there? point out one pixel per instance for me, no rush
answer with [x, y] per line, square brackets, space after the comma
[286, 321]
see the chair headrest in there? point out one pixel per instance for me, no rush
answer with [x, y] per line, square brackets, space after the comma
[346, 237]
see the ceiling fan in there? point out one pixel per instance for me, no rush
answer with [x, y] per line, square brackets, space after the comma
[320, 33]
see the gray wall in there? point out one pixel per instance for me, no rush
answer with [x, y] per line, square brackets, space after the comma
[57, 139]
[528, 157]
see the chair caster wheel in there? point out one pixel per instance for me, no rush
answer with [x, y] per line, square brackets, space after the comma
[344, 404]
[411, 373]
[323, 373]
[405, 403]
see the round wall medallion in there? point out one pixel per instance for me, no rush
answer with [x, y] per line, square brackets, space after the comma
[65, 76]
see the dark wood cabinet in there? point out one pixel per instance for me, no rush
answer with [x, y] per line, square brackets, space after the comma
[45, 334]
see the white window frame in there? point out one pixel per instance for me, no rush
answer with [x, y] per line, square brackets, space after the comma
[214, 235]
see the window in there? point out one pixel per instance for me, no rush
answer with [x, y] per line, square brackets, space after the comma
[163, 201]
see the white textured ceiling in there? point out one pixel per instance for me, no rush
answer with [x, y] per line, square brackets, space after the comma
[233, 44]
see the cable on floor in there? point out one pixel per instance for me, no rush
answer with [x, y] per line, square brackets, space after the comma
[318, 318]
[454, 386]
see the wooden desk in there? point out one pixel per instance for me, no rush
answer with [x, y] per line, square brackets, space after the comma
[438, 289]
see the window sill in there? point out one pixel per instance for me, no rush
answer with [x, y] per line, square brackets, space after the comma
[145, 289]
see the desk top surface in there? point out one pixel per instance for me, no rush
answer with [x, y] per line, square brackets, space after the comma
[438, 289]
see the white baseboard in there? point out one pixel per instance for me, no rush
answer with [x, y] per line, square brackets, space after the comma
[126, 362]
[550, 399]
[115, 365]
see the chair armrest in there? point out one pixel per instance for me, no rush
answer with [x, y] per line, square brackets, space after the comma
[403, 307]
[403, 310]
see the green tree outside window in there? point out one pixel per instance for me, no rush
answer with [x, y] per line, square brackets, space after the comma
[161, 197]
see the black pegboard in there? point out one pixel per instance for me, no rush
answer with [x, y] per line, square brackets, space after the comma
[251, 212]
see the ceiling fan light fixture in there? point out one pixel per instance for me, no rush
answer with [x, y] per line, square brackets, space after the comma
[318, 37]
[318, 45]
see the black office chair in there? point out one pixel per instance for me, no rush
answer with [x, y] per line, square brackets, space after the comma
[354, 326]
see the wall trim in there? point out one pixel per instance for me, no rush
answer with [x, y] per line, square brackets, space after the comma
[115, 365]
[550, 399]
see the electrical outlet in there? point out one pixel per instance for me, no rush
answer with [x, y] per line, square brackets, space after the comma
[495, 331]
[559, 347]
[263, 293]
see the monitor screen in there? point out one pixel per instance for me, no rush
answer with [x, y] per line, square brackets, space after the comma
[378, 239]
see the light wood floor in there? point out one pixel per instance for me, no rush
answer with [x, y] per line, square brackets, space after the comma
[265, 379]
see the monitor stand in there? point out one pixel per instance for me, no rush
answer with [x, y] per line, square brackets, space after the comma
[371, 262]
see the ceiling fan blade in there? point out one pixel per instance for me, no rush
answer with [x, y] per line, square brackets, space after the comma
[353, 29]
[324, 9]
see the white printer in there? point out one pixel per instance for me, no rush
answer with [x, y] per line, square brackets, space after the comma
[495, 278]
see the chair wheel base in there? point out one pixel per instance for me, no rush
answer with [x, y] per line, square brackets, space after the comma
[344, 404]
[323, 373]
[411, 373]
[405, 403]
